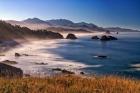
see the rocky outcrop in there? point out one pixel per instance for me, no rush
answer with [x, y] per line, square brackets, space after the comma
[10, 71]
[53, 35]
[41, 63]
[100, 56]
[17, 55]
[95, 37]
[9, 62]
[107, 38]
[64, 71]
[71, 36]
[82, 73]
[112, 38]
[104, 38]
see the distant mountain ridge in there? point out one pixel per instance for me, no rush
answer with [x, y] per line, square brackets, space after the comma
[63, 25]
[36, 23]
[60, 22]
[119, 29]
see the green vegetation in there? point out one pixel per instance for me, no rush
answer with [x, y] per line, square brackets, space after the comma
[8, 31]
[70, 84]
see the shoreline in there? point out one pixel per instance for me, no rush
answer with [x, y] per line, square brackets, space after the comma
[29, 47]
[37, 57]
[21, 60]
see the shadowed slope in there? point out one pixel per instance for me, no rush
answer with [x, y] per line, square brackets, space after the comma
[7, 32]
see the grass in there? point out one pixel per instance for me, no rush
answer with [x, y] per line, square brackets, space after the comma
[70, 84]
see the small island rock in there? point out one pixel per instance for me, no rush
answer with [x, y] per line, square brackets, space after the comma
[107, 38]
[95, 37]
[17, 55]
[71, 36]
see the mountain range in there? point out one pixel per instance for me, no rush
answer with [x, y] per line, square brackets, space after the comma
[56, 24]
[119, 29]
[62, 25]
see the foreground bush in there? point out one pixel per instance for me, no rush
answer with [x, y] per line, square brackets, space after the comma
[69, 84]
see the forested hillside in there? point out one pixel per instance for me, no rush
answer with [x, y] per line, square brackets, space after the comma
[8, 31]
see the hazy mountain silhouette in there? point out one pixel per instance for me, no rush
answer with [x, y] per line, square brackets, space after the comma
[61, 22]
[119, 29]
[36, 23]
[63, 25]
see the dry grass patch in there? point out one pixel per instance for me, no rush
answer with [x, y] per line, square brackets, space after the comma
[70, 84]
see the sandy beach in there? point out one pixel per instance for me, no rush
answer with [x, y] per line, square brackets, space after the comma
[38, 52]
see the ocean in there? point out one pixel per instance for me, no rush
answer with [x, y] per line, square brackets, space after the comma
[123, 55]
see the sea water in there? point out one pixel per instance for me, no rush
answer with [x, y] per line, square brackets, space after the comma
[123, 55]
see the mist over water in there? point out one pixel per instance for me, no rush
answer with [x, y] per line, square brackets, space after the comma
[123, 55]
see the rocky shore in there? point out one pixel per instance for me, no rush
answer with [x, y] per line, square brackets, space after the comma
[10, 71]
[104, 38]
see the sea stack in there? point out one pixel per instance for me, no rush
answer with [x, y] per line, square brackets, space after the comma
[107, 38]
[95, 37]
[71, 36]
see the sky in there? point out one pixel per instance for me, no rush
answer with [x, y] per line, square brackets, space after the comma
[105, 13]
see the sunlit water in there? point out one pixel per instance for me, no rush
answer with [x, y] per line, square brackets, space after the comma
[123, 55]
